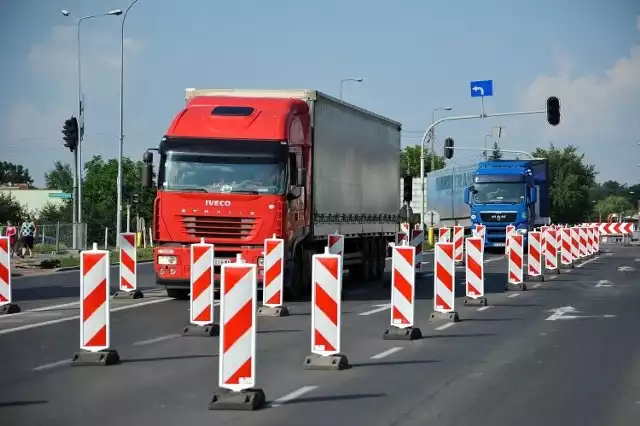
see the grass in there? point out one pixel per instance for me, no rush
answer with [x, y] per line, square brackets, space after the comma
[114, 257]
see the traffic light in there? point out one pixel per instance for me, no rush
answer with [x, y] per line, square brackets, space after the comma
[70, 132]
[135, 198]
[407, 189]
[553, 110]
[448, 148]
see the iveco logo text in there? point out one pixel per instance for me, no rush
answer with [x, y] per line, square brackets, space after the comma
[217, 203]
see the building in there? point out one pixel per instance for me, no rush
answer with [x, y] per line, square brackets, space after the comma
[33, 200]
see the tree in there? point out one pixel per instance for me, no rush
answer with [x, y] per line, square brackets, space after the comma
[410, 161]
[496, 154]
[100, 192]
[60, 177]
[52, 213]
[10, 209]
[571, 181]
[14, 173]
[613, 204]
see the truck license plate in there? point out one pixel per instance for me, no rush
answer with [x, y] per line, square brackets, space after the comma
[218, 261]
[499, 244]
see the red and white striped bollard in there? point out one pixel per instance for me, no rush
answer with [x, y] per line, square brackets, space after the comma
[273, 279]
[535, 267]
[326, 313]
[237, 342]
[128, 285]
[7, 306]
[95, 315]
[515, 272]
[201, 299]
[474, 252]
[444, 284]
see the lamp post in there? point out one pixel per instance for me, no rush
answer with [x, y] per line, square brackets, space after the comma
[79, 166]
[120, 182]
[433, 165]
[344, 80]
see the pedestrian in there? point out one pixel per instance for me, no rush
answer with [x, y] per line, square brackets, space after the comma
[27, 235]
[11, 232]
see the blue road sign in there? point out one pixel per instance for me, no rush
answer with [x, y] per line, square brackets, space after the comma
[482, 88]
[65, 195]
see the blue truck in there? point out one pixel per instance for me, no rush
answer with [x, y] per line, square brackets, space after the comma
[509, 192]
[491, 193]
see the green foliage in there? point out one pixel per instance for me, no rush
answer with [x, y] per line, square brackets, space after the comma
[11, 210]
[571, 181]
[14, 173]
[410, 161]
[60, 177]
[100, 194]
[496, 154]
[53, 213]
[613, 204]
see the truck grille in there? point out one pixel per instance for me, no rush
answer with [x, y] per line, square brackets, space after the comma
[218, 227]
[498, 217]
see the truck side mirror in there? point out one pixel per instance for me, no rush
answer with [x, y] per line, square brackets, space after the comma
[146, 175]
[467, 195]
[302, 177]
[533, 194]
[147, 158]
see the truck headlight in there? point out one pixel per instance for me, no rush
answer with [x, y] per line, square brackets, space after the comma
[261, 261]
[167, 260]
[521, 231]
[473, 217]
[524, 215]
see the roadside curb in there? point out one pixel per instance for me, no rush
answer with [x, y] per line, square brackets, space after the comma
[77, 268]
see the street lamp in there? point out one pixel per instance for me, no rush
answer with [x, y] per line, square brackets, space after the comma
[433, 162]
[357, 80]
[121, 144]
[77, 200]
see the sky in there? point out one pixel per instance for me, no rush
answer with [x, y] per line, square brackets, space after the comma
[413, 56]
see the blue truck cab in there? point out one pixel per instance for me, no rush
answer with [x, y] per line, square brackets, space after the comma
[509, 192]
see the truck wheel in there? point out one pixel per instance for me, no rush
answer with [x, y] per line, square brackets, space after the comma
[178, 294]
[299, 277]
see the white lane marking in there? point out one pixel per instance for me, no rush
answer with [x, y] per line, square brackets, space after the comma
[553, 277]
[380, 308]
[42, 309]
[445, 326]
[76, 271]
[291, 396]
[387, 352]
[537, 285]
[484, 308]
[155, 340]
[75, 317]
[604, 283]
[514, 295]
[495, 259]
[52, 365]
[587, 261]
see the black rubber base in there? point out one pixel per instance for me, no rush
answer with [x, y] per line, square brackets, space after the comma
[192, 330]
[444, 317]
[329, 362]
[520, 287]
[269, 311]
[480, 301]
[100, 358]
[9, 308]
[135, 294]
[395, 333]
[245, 400]
[534, 278]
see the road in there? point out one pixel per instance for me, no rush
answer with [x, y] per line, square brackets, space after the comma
[564, 352]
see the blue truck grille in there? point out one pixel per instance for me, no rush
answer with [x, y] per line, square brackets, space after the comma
[489, 217]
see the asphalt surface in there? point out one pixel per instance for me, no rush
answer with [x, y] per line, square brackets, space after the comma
[518, 361]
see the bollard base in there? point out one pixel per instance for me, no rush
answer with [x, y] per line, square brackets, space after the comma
[100, 358]
[444, 316]
[245, 400]
[521, 287]
[9, 308]
[134, 294]
[328, 362]
[273, 311]
[534, 278]
[480, 301]
[192, 330]
[395, 333]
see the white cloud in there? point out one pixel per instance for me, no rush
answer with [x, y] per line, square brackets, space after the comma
[599, 113]
[52, 67]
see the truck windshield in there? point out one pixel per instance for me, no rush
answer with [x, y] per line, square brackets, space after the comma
[499, 192]
[189, 171]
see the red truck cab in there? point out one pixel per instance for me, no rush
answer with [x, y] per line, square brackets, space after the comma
[232, 172]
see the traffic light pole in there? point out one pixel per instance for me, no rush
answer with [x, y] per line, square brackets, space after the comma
[455, 118]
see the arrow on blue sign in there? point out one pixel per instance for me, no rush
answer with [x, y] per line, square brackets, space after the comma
[481, 88]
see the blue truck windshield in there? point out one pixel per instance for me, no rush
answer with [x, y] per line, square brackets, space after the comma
[189, 171]
[499, 192]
